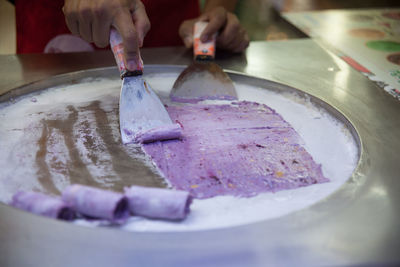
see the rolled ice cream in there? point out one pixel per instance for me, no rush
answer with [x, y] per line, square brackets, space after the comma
[97, 203]
[158, 203]
[42, 204]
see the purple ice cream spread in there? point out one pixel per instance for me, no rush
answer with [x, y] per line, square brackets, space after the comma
[241, 149]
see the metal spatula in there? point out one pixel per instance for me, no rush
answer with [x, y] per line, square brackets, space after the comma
[140, 109]
[203, 79]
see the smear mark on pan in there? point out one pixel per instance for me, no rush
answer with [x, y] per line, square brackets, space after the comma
[121, 161]
[95, 156]
[76, 168]
[43, 172]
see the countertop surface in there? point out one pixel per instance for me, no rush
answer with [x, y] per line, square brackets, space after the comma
[358, 224]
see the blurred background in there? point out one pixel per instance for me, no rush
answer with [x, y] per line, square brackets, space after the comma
[261, 18]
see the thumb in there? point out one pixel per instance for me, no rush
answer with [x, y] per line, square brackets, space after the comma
[186, 32]
[124, 24]
[216, 20]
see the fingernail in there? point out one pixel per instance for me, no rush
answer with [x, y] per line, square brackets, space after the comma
[188, 41]
[131, 64]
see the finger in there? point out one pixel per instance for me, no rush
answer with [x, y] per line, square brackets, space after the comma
[101, 26]
[188, 41]
[186, 32]
[85, 18]
[243, 45]
[234, 44]
[217, 19]
[204, 17]
[85, 31]
[71, 16]
[230, 32]
[72, 24]
[101, 32]
[142, 22]
[124, 25]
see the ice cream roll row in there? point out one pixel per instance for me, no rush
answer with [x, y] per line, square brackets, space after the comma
[97, 203]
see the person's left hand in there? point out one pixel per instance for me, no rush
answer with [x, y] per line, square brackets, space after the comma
[231, 34]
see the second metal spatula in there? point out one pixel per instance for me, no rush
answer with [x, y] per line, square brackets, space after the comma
[203, 79]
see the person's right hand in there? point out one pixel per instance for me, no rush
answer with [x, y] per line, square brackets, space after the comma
[91, 20]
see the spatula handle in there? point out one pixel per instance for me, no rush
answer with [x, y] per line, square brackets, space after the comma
[203, 51]
[117, 47]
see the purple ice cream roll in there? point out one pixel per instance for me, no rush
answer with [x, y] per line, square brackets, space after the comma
[97, 203]
[158, 203]
[165, 132]
[42, 204]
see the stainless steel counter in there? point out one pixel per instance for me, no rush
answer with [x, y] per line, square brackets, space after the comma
[358, 224]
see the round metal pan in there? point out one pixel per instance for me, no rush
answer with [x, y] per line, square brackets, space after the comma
[78, 232]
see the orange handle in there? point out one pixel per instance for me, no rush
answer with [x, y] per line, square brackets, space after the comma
[203, 51]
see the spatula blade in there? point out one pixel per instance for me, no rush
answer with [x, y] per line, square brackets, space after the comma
[201, 81]
[140, 109]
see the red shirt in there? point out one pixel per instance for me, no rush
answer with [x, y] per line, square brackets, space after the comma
[39, 21]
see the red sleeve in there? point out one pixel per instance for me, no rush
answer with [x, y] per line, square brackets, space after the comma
[37, 23]
[165, 17]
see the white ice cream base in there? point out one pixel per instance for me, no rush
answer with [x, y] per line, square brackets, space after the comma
[326, 139]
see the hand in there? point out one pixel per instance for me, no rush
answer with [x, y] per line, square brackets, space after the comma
[91, 20]
[232, 36]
